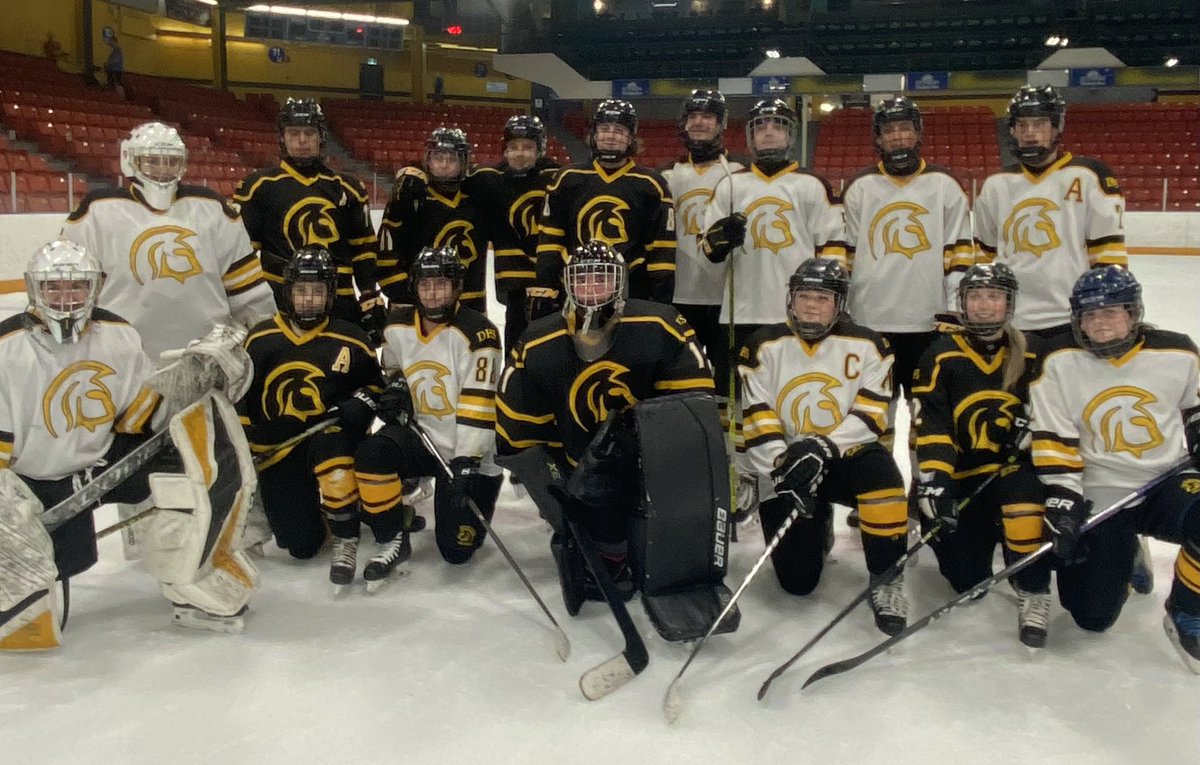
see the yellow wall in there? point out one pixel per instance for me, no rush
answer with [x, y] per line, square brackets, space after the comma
[24, 24]
[459, 81]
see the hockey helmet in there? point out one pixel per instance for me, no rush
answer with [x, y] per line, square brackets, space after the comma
[442, 300]
[614, 112]
[154, 157]
[1106, 287]
[898, 109]
[1033, 101]
[596, 279]
[817, 275]
[302, 112]
[309, 265]
[523, 126]
[996, 276]
[447, 140]
[63, 282]
[707, 101]
[772, 111]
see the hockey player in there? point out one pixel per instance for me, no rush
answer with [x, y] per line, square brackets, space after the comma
[971, 389]
[302, 202]
[310, 365]
[176, 258]
[1114, 405]
[612, 200]
[511, 196]
[815, 393]
[445, 360]
[431, 208]
[1051, 217]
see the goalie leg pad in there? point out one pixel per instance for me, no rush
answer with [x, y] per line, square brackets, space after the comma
[29, 612]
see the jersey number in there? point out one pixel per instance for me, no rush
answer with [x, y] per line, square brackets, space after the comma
[481, 371]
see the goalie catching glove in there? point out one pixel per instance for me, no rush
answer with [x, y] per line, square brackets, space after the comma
[216, 360]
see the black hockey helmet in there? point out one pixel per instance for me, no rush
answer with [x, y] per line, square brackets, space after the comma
[309, 264]
[302, 112]
[898, 109]
[772, 110]
[449, 140]
[524, 126]
[1101, 288]
[434, 263]
[618, 112]
[1034, 101]
[822, 275]
[595, 279]
[709, 101]
[995, 276]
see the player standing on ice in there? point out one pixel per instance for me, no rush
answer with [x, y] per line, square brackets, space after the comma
[1115, 404]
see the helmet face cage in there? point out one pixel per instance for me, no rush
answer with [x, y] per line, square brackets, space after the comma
[302, 112]
[453, 140]
[596, 280]
[817, 275]
[53, 281]
[309, 265]
[150, 150]
[531, 128]
[438, 263]
[996, 276]
[1104, 288]
[616, 112]
[709, 102]
[898, 109]
[1032, 101]
[777, 111]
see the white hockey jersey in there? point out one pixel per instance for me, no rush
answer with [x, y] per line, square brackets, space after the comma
[839, 387]
[698, 281]
[61, 404]
[1049, 228]
[172, 274]
[452, 374]
[1113, 423]
[791, 216]
[908, 242]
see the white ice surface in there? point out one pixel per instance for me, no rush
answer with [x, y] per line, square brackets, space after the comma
[456, 665]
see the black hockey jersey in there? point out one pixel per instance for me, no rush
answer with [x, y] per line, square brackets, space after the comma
[549, 396]
[298, 376]
[510, 206]
[629, 208]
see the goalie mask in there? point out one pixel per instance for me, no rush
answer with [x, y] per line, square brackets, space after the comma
[891, 134]
[595, 279]
[444, 149]
[302, 113]
[1034, 102]
[701, 101]
[437, 281]
[154, 157]
[816, 296]
[981, 317]
[1106, 311]
[309, 287]
[771, 130]
[63, 283]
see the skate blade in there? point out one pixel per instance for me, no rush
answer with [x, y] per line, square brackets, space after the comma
[1189, 661]
[231, 625]
[374, 586]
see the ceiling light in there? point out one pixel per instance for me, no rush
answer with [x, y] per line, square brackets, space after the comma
[773, 53]
[1171, 61]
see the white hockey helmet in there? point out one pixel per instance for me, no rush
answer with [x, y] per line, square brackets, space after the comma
[63, 282]
[155, 158]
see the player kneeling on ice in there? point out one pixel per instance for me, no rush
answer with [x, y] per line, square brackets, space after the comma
[815, 398]
[309, 367]
[75, 398]
[606, 414]
[445, 358]
[1115, 405]
[975, 476]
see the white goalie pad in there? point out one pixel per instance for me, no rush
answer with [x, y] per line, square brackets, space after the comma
[216, 360]
[193, 544]
[29, 609]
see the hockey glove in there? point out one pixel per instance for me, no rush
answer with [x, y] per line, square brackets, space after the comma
[410, 186]
[1191, 431]
[396, 402]
[541, 301]
[723, 237]
[1066, 511]
[799, 470]
[465, 470]
[1019, 437]
[374, 316]
[936, 498]
[358, 412]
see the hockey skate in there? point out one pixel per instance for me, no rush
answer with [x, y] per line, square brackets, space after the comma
[1142, 578]
[1184, 631]
[189, 616]
[890, 606]
[343, 562]
[381, 565]
[1033, 618]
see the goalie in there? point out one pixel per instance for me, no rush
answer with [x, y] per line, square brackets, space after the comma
[75, 398]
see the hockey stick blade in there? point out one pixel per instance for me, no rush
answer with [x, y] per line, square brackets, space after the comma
[602, 680]
[839, 667]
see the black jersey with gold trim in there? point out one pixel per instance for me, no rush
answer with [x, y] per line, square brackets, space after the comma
[298, 376]
[549, 396]
[510, 206]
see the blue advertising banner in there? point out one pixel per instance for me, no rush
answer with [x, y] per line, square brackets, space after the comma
[770, 86]
[630, 88]
[927, 80]
[1093, 77]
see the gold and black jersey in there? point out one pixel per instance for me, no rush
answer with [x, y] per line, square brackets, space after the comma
[629, 208]
[299, 376]
[963, 417]
[433, 221]
[284, 209]
[510, 206]
[550, 397]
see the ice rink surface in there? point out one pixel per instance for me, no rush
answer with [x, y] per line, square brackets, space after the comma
[456, 665]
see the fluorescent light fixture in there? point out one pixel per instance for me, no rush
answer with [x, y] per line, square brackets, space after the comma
[1052, 41]
[1171, 61]
[1064, 42]
[290, 10]
[207, 2]
[664, 5]
[826, 107]
[324, 15]
[773, 53]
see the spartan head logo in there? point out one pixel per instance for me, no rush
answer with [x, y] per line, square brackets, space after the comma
[603, 218]
[1119, 420]
[1029, 227]
[164, 252]
[601, 387]
[523, 214]
[985, 419]
[808, 401]
[768, 226]
[690, 208]
[427, 380]
[293, 390]
[310, 222]
[78, 398]
[898, 229]
[458, 234]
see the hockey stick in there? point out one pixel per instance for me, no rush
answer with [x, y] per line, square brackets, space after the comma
[562, 645]
[838, 667]
[673, 702]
